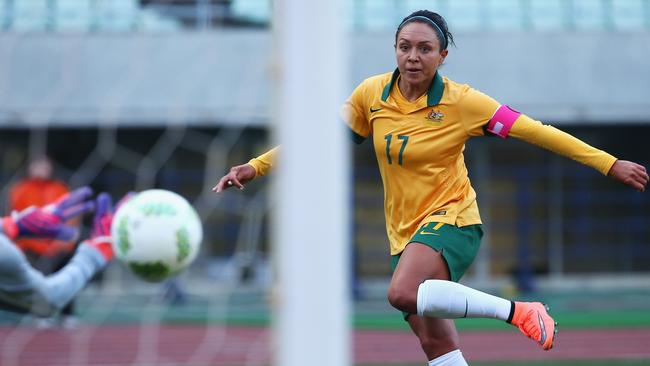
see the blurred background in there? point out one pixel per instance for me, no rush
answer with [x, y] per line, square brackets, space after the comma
[129, 95]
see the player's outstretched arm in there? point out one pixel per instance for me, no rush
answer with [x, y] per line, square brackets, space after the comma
[242, 174]
[630, 173]
[550, 138]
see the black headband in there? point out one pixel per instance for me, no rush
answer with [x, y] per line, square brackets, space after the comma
[436, 27]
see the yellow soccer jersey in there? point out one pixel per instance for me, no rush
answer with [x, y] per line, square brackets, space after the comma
[263, 163]
[419, 147]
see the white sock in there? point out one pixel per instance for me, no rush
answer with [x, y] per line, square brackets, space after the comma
[450, 300]
[453, 358]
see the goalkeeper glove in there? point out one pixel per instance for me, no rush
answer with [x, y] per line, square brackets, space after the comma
[49, 221]
[100, 235]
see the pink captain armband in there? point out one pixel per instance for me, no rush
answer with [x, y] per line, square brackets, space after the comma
[502, 121]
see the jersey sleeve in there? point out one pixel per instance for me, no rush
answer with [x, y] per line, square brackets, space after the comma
[560, 142]
[476, 110]
[264, 163]
[355, 113]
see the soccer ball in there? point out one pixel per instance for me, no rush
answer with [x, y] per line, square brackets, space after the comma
[156, 234]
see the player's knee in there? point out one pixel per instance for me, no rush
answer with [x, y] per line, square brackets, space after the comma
[403, 299]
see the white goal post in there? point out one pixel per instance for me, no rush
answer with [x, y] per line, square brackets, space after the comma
[311, 219]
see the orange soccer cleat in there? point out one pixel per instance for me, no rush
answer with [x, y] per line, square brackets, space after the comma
[533, 320]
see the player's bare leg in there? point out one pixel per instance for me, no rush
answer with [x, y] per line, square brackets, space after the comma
[438, 297]
[438, 337]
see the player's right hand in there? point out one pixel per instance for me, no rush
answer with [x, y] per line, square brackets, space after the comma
[49, 221]
[237, 177]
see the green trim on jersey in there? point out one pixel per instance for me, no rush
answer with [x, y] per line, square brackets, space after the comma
[434, 94]
[389, 86]
[435, 91]
[356, 137]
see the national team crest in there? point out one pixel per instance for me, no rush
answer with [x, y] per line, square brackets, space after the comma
[435, 116]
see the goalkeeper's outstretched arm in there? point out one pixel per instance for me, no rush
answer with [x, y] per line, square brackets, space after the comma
[26, 290]
[242, 174]
[23, 288]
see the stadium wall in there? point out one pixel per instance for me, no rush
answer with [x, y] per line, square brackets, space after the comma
[222, 78]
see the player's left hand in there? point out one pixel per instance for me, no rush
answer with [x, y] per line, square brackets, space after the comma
[49, 221]
[629, 173]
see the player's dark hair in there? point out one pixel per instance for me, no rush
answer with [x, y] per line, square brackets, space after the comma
[435, 21]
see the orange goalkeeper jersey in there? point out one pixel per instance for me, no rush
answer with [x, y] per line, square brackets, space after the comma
[39, 192]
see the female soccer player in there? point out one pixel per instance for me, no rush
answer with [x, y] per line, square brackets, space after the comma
[419, 122]
[26, 290]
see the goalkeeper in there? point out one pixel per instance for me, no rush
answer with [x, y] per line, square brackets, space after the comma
[26, 290]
